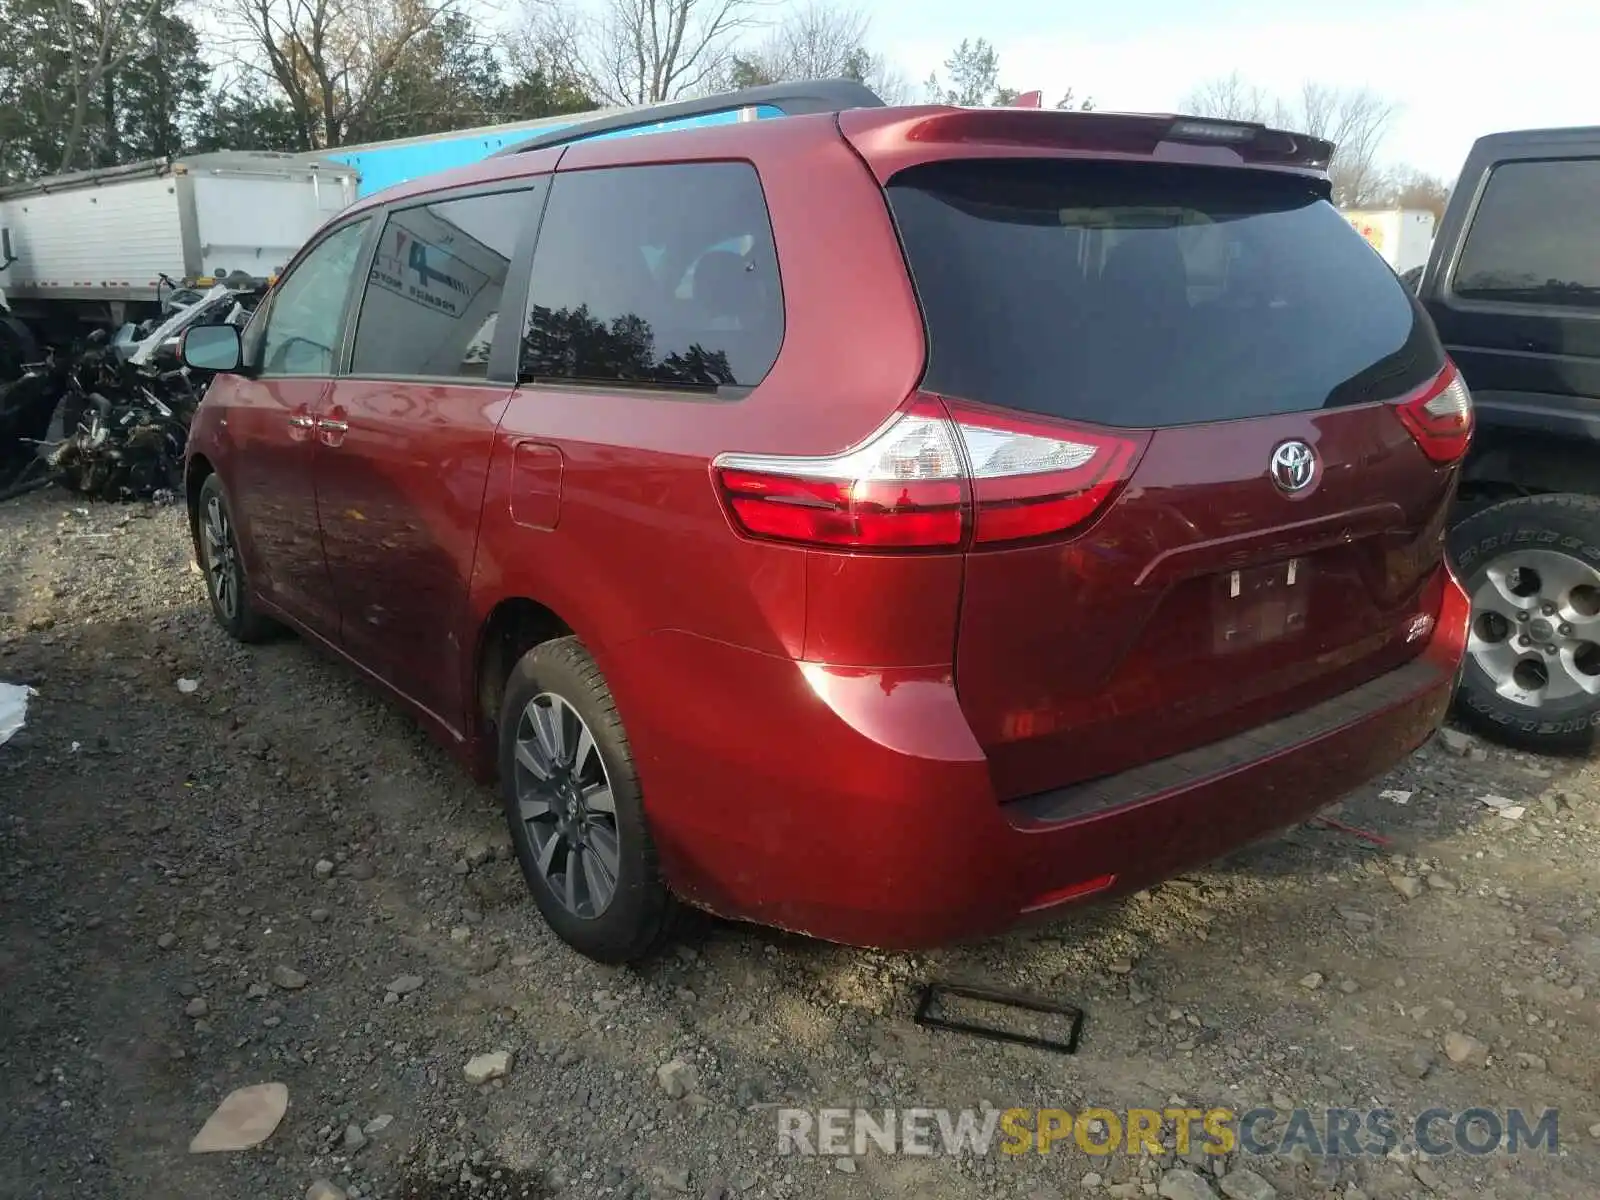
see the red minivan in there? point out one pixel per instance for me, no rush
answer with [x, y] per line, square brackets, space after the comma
[884, 523]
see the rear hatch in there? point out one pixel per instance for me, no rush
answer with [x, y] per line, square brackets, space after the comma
[1257, 387]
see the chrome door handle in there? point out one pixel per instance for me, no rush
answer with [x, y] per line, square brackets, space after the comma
[299, 422]
[328, 425]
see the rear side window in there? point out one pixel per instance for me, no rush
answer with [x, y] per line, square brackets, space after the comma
[433, 294]
[1536, 236]
[659, 276]
[1145, 295]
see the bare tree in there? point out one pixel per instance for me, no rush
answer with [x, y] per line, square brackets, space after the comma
[814, 41]
[1407, 187]
[548, 38]
[1355, 121]
[1232, 99]
[889, 82]
[644, 51]
[96, 45]
[332, 58]
[818, 40]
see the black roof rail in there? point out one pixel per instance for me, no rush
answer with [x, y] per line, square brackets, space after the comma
[791, 99]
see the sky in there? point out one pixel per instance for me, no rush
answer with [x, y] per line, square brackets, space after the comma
[1456, 69]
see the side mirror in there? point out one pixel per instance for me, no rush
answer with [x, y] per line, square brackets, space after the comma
[210, 348]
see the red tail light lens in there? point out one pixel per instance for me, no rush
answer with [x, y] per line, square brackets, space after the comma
[933, 478]
[901, 489]
[1439, 416]
[1032, 480]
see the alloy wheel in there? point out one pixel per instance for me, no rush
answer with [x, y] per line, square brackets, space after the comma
[221, 558]
[1536, 626]
[565, 803]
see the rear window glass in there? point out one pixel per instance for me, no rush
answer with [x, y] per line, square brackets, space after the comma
[1146, 295]
[1536, 236]
[657, 276]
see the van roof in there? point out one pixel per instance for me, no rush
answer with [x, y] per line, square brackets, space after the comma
[887, 136]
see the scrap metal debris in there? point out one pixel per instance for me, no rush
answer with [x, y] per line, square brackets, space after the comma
[109, 417]
[934, 1012]
[1508, 809]
[1355, 831]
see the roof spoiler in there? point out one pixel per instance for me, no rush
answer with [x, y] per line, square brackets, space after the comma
[791, 99]
[1256, 143]
[890, 138]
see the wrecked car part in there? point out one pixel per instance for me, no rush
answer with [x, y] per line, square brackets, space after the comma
[122, 442]
[104, 419]
[932, 1014]
[221, 305]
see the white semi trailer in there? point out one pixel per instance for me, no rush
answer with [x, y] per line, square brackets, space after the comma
[1402, 236]
[103, 247]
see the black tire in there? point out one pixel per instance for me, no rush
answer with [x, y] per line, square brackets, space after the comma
[240, 620]
[636, 918]
[1565, 524]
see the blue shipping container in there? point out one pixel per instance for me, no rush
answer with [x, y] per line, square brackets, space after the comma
[384, 164]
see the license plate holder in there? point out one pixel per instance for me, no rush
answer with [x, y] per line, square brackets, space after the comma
[1256, 606]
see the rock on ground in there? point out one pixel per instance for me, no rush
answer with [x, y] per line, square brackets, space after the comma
[289, 979]
[246, 1117]
[1464, 1048]
[404, 985]
[677, 1078]
[1184, 1185]
[484, 1067]
[1242, 1183]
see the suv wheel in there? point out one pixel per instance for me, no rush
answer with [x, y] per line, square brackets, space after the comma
[216, 549]
[1532, 569]
[575, 810]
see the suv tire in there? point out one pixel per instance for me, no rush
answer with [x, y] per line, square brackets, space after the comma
[589, 810]
[1545, 551]
[216, 551]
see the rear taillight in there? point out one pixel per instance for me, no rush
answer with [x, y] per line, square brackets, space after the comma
[1439, 416]
[935, 476]
[1033, 481]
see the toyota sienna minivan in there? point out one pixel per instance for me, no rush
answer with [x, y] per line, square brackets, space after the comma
[889, 524]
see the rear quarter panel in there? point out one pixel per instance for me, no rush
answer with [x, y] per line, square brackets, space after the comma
[640, 543]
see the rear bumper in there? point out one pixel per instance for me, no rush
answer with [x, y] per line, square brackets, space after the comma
[1151, 822]
[856, 806]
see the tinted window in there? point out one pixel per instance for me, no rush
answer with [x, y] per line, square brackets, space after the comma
[1536, 236]
[302, 330]
[1147, 295]
[659, 276]
[434, 290]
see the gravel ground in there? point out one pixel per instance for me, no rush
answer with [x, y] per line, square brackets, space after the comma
[209, 888]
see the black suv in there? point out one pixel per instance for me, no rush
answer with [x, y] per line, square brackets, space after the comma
[1513, 284]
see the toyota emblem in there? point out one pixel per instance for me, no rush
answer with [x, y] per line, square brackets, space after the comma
[1293, 467]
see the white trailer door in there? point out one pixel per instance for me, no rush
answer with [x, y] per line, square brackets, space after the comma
[256, 223]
